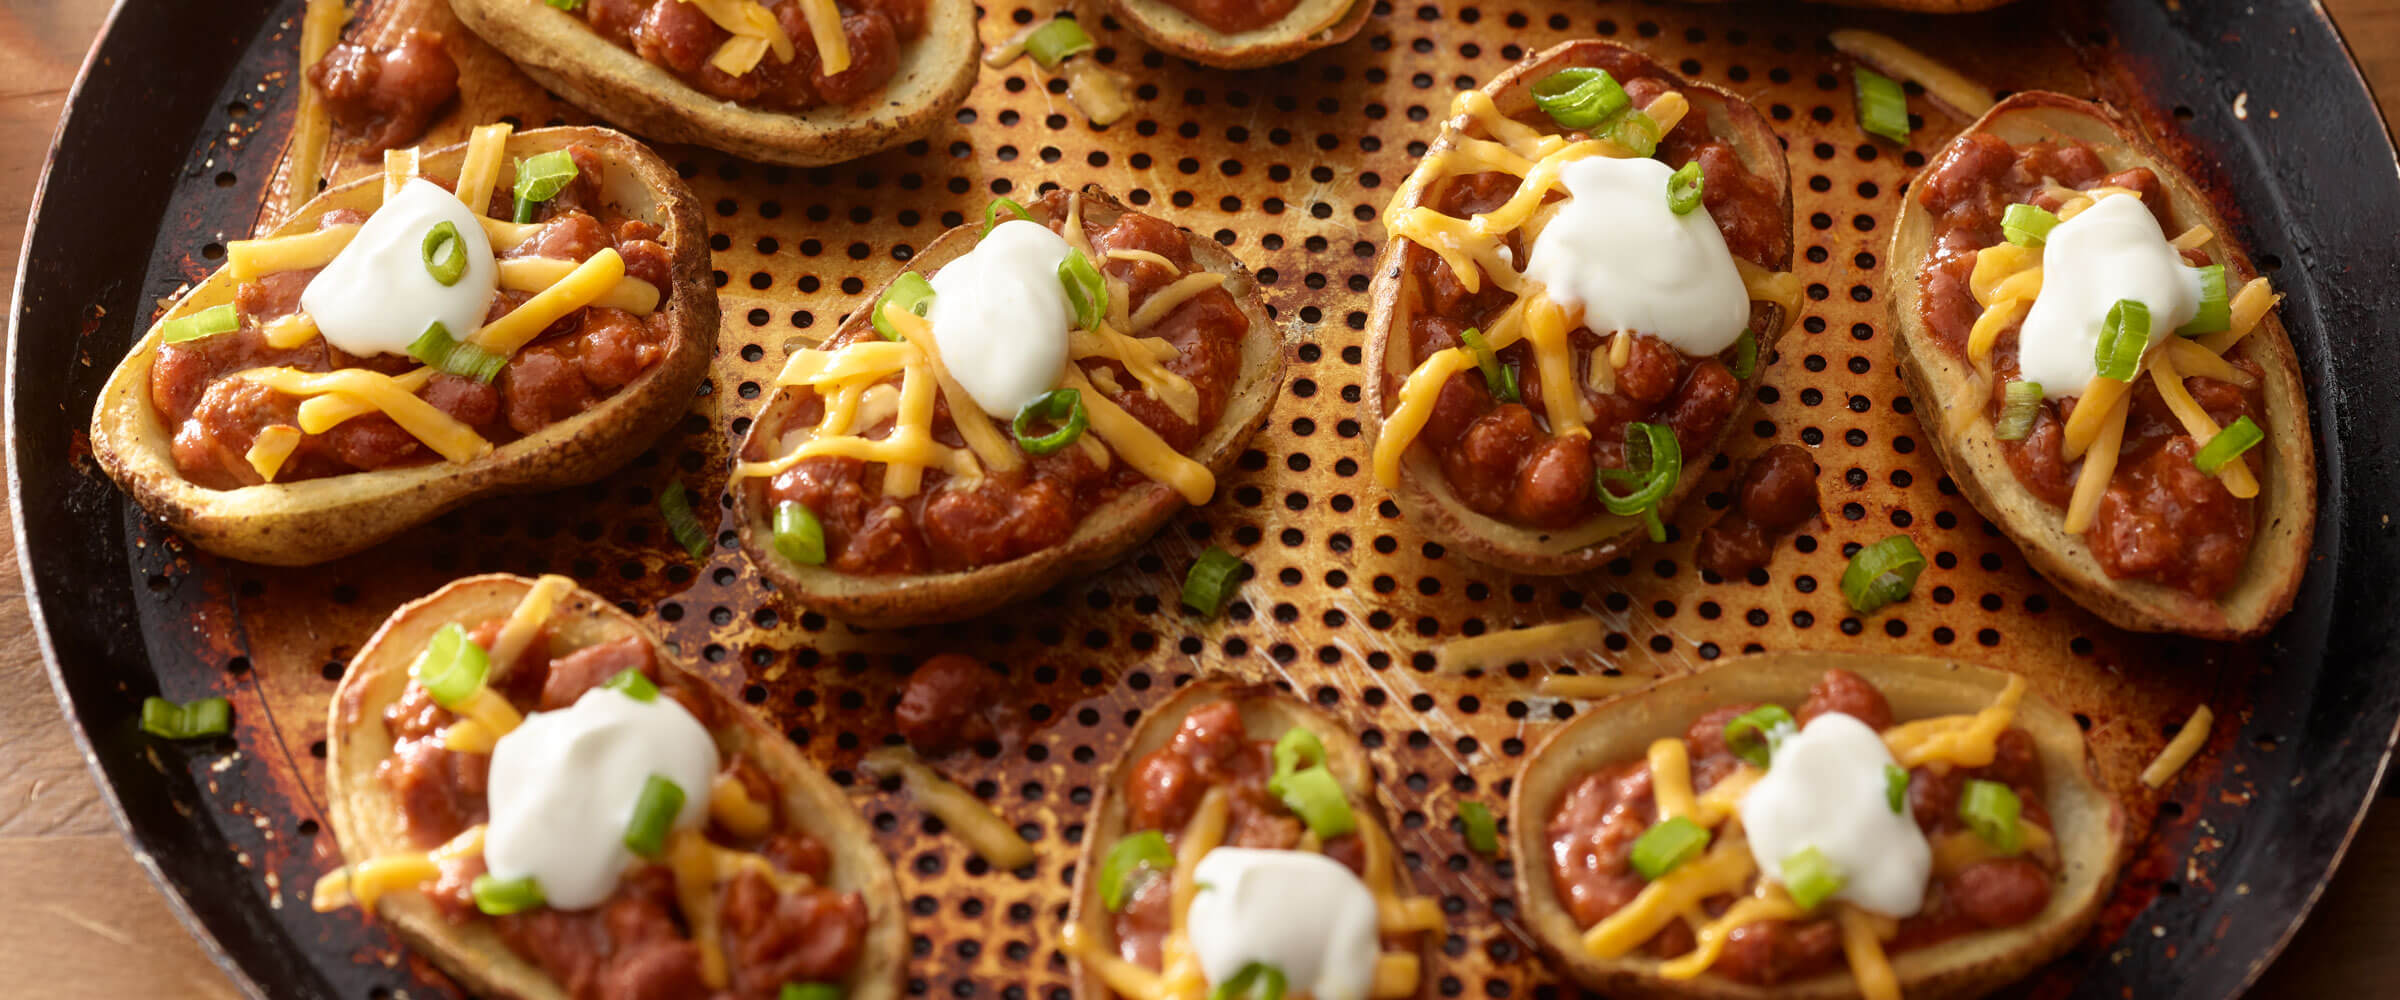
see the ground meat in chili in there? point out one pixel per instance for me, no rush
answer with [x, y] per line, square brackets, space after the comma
[386, 94]
[1591, 835]
[681, 39]
[1777, 494]
[1233, 16]
[2159, 519]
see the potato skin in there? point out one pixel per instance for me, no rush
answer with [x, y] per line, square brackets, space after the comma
[314, 520]
[1105, 535]
[2090, 827]
[1169, 30]
[1939, 380]
[1423, 492]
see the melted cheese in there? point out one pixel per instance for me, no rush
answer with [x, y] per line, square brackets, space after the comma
[321, 413]
[730, 804]
[1141, 447]
[365, 883]
[271, 448]
[479, 170]
[2181, 749]
[538, 274]
[250, 260]
[2099, 464]
[440, 431]
[1863, 934]
[998, 453]
[1961, 849]
[595, 277]
[289, 331]
[2235, 474]
[1963, 741]
[1766, 902]
[1167, 300]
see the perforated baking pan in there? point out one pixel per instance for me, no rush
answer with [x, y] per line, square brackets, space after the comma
[171, 144]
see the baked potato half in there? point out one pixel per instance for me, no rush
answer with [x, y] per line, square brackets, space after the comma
[1097, 536]
[379, 708]
[1947, 384]
[1308, 26]
[1225, 729]
[2085, 829]
[1408, 395]
[1914, 6]
[560, 50]
[309, 521]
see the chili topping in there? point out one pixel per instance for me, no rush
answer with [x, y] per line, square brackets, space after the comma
[783, 55]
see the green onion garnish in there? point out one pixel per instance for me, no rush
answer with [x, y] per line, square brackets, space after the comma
[564, 4]
[2237, 437]
[2216, 309]
[1256, 981]
[501, 897]
[186, 720]
[437, 350]
[1130, 860]
[909, 291]
[452, 667]
[540, 178]
[2027, 225]
[1210, 581]
[2124, 335]
[632, 683]
[1683, 188]
[1085, 291]
[1052, 43]
[675, 504]
[1063, 407]
[206, 323]
[1483, 832]
[1745, 355]
[1498, 377]
[1636, 131]
[445, 254]
[799, 536]
[1882, 105]
[1752, 735]
[1895, 788]
[653, 815]
[1991, 810]
[1580, 97]
[808, 991]
[1809, 878]
[1882, 573]
[1297, 748]
[2020, 402]
[991, 213]
[1653, 461]
[1668, 845]
[1312, 794]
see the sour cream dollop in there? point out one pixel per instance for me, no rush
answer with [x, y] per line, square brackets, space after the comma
[563, 788]
[1299, 911]
[2110, 251]
[1827, 790]
[377, 297]
[1631, 263]
[1001, 316]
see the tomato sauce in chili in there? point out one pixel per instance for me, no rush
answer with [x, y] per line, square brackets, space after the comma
[1778, 493]
[680, 38]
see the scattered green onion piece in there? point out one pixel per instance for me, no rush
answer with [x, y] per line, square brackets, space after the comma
[809, 991]
[1636, 131]
[1296, 749]
[540, 178]
[633, 684]
[1580, 97]
[1683, 188]
[1653, 461]
[991, 213]
[435, 349]
[2216, 309]
[653, 815]
[1256, 981]
[1882, 105]
[186, 720]
[206, 323]
[1061, 406]
[1052, 43]
[1745, 355]
[2124, 335]
[2027, 225]
[1129, 861]
[452, 668]
[2020, 403]
[1882, 573]
[1991, 810]
[564, 4]
[1085, 291]
[1483, 832]
[1312, 794]
[1211, 581]
[1895, 788]
[1809, 878]
[2237, 437]
[445, 254]
[1668, 845]
[501, 897]
[675, 504]
[799, 536]
[910, 291]
[1497, 377]
[1752, 735]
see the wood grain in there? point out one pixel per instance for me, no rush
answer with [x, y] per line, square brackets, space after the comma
[85, 921]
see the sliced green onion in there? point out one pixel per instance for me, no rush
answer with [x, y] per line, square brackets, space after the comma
[633, 684]
[1256, 981]
[206, 323]
[1580, 97]
[1063, 407]
[1745, 355]
[910, 291]
[186, 720]
[799, 536]
[436, 350]
[1668, 845]
[2027, 225]
[500, 897]
[1052, 43]
[1636, 131]
[1752, 735]
[2237, 437]
[445, 254]
[1882, 105]
[1683, 188]
[991, 213]
[1882, 573]
[1085, 291]
[1130, 860]
[1497, 377]
[2216, 310]
[675, 504]
[1312, 794]
[653, 815]
[1210, 581]
[1809, 878]
[2020, 403]
[1895, 788]
[1653, 461]
[452, 668]
[1991, 809]
[809, 991]
[1296, 749]
[1483, 832]
[564, 4]
[540, 178]
[2124, 335]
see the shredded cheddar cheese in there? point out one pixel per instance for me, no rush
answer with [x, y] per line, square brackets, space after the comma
[597, 276]
[321, 413]
[399, 167]
[1863, 934]
[312, 126]
[440, 431]
[2180, 750]
[990, 836]
[271, 448]
[487, 146]
[289, 331]
[250, 260]
[540, 274]
[365, 883]
[730, 804]
[1946, 86]
[1499, 649]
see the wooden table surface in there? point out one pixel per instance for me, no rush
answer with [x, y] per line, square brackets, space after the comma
[84, 921]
